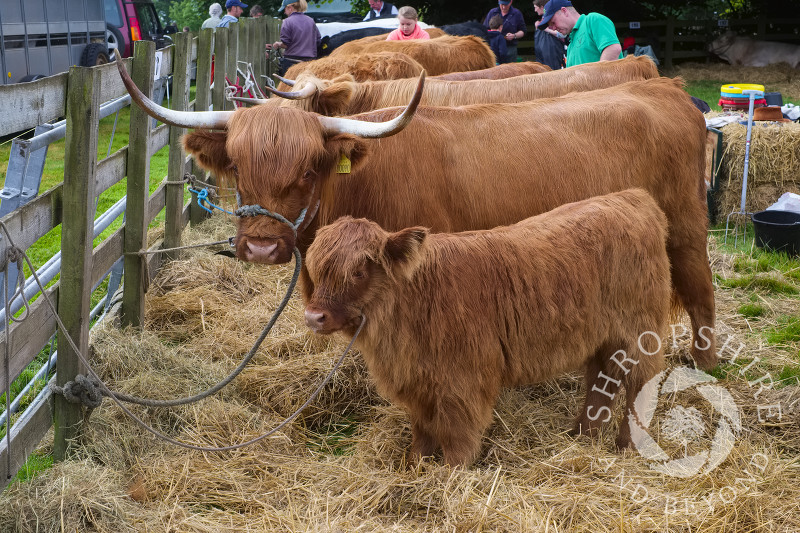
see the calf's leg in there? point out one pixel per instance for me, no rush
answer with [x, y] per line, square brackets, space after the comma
[459, 424]
[423, 443]
[603, 384]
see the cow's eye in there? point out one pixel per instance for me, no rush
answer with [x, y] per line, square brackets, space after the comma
[309, 175]
[360, 274]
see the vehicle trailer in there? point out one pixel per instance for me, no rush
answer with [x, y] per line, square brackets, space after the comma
[43, 37]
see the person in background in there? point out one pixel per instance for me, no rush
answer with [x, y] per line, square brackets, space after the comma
[409, 29]
[591, 37]
[186, 29]
[299, 35]
[235, 9]
[549, 46]
[215, 10]
[513, 26]
[256, 11]
[380, 10]
[497, 41]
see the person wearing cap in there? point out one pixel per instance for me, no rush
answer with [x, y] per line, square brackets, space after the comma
[380, 10]
[215, 12]
[513, 26]
[299, 35]
[549, 46]
[591, 37]
[235, 9]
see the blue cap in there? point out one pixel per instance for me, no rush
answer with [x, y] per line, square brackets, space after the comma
[550, 9]
[234, 3]
[286, 3]
[504, 2]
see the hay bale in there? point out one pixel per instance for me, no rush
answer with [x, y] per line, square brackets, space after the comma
[773, 169]
[530, 476]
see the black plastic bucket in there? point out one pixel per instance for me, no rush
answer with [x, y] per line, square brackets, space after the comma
[773, 99]
[778, 231]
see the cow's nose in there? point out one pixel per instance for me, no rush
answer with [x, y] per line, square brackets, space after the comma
[315, 319]
[261, 253]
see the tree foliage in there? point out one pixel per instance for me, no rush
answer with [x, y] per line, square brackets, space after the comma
[190, 13]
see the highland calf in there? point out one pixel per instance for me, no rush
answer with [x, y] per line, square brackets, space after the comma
[452, 318]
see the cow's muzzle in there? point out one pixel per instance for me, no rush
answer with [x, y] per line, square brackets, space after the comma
[267, 250]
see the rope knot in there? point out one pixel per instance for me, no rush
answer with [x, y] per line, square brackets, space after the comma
[13, 254]
[84, 390]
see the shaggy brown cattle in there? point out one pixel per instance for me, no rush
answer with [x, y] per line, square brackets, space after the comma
[376, 66]
[442, 170]
[452, 318]
[345, 97]
[437, 56]
[356, 46]
[506, 70]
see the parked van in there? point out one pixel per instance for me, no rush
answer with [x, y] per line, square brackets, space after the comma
[43, 37]
[132, 20]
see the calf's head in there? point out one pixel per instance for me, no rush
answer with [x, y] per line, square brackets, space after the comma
[353, 266]
[278, 158]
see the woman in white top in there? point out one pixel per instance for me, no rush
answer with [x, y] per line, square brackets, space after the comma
[215, 11]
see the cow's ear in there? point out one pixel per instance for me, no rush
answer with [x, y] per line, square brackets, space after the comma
[354, 148]
[334, 99]
[404, 250]
[208, 149]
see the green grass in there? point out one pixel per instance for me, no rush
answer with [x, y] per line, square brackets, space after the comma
[333, 438]
[787, 331]
[706, 90]
[751, 310]
[759, 282]
[35, 465]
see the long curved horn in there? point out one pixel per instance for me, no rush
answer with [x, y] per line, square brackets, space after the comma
[375, 130]
[307, 91]
[287, 81]
[249, 100]
[215, 120]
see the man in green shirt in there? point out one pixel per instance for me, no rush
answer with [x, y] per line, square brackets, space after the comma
[591, 37]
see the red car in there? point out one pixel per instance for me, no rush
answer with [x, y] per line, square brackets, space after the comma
[133, 20]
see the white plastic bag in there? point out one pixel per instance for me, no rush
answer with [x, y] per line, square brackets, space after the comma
[788, 201]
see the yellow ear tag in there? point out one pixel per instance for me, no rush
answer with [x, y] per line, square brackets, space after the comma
[343, 166]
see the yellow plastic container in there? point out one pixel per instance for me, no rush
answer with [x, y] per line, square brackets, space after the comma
[737, 89]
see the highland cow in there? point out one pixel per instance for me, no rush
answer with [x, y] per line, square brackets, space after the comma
[452, 318]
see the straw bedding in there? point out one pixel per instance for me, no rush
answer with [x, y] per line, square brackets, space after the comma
[340, 466]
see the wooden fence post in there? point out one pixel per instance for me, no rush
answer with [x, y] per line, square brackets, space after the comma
[173, 221]
[273, 34]
[233, 54]
[257, 52]
[220, 67]
[137, 192]
[205, 44]
[77, 231]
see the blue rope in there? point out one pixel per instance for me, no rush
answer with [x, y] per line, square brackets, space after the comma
[202, 196]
